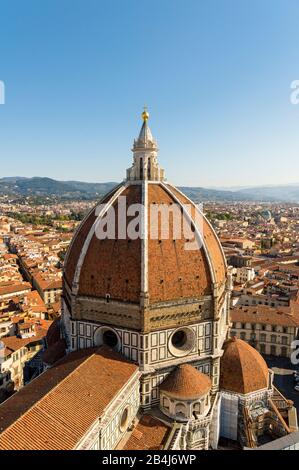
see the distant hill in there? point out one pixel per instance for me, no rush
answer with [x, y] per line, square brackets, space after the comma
[204, 194]
[39, 186]
[288, 193]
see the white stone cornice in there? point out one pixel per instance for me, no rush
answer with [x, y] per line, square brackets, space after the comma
[144, 243]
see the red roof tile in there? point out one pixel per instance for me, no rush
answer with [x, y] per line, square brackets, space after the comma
[114, 266]
[149, 434]
[242, 368]
[44, 414]
[185, 382]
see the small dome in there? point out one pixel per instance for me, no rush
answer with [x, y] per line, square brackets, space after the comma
[185, 382]
[266, 215]
[243, 370]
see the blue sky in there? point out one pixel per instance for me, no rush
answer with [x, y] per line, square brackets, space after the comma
[215, 75]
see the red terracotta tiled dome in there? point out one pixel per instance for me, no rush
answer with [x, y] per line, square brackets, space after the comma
[185, 382]
[155, 268]
[243, 370]
[122, 267]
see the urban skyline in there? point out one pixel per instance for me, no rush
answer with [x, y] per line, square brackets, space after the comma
[149, 228]
[158, 327]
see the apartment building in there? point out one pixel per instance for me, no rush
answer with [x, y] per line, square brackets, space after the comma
[270, 330]
[16, 351]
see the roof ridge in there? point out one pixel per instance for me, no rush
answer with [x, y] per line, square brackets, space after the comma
[200, 239]
[240, 361]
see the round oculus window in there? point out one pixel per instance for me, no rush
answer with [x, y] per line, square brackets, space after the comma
[107, 336]
[124, 420]
[110, 338]
[181, 342]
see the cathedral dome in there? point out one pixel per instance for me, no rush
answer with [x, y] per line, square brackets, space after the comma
[186, 383]
[149, 268]
[243, 370]
[125, 268]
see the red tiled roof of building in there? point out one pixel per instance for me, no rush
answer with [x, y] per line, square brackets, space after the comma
[45, 282]
[13, 343]
[34, 299]
[264, 314]
[11, 288]
[148, 434]
[25, 326]
[44, 414]
[8, 256]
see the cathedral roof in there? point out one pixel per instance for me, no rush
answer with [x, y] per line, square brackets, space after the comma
[44, 414]
[157, 268]
[243, 370]
[186, 382]
[118, 266]
[148, 434]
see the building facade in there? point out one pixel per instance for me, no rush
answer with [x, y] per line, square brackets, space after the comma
[271, 331]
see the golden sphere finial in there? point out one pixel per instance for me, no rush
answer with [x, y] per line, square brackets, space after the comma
[145, 114]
